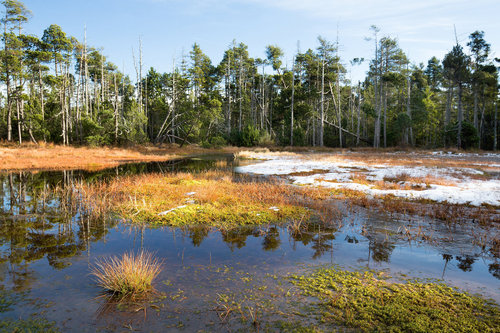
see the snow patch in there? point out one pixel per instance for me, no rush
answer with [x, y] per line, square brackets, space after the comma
[461, 190]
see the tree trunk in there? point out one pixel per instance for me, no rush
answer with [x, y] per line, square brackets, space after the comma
[7, 83]
[408, 112]
[19, 121]
[376, 134]
[449, 102]
[173, 129]
[339, 109]
[116, 116]
[495, 135]
[476, 124]
[86, 72]
[228, 96]
[240, 98]
[481, 122]
[385, 114]
[322, 105]
[460, 117]
[293, 95]
[359, 114]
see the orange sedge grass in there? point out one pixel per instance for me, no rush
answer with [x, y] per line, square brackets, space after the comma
[211, 198]
[57, 157]
[129, 275]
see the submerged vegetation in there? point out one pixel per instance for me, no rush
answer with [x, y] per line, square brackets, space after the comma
[130, 275]
[32, 325]
[370, 301]
[213, 198]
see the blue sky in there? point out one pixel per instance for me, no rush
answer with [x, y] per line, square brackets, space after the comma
[169, 27]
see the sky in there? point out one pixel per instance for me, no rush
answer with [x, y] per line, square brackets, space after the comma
[169, 28]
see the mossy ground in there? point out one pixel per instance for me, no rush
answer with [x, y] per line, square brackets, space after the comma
[368, 301]
[214, 198]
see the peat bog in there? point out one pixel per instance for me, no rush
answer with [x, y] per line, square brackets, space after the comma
[308, 249]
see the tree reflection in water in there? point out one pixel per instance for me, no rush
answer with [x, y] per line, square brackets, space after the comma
[38, 219]
[465, 263]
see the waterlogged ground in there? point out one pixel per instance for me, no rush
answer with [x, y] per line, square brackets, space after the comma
[213, 280]
[442, 177]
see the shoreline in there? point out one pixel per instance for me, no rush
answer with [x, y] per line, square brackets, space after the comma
[55, 157]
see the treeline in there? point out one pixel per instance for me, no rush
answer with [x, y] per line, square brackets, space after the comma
[59, 89]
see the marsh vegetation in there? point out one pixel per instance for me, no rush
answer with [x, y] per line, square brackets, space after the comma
[243, 251]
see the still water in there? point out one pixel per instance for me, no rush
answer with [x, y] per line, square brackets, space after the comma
[47, 247]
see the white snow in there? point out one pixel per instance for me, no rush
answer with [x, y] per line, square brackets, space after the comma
[460, 188]
[171, 210]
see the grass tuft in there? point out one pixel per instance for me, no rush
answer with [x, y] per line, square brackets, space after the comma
[129, 275]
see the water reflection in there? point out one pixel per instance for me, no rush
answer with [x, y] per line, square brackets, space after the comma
[465, 262]
[43, 232]
[39, 218]
[494, 269]
[37, 222]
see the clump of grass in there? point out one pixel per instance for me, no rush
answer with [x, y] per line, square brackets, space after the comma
[129, 275]
[368, 301]
[308, 173]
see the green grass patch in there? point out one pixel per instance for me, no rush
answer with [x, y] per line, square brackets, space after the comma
[368, 301]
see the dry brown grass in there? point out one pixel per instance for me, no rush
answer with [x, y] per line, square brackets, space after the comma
[450, 213]
[129, 275]
[408, 181]
[360, 178]
[213, 198]
[308, 173]
[415, 158]
[400, 182]
[49, 156]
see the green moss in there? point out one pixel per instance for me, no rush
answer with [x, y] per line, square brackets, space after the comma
[214, 214]
[290, 327]
[29, 326]
[210, 199]
[368, 302]
[7, 300]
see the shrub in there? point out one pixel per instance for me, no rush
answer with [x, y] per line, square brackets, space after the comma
[266, 139]
[470, 135]
[214, 142]
[97, 140]
[250, 136]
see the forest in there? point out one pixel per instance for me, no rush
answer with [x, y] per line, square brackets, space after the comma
[59, 89]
